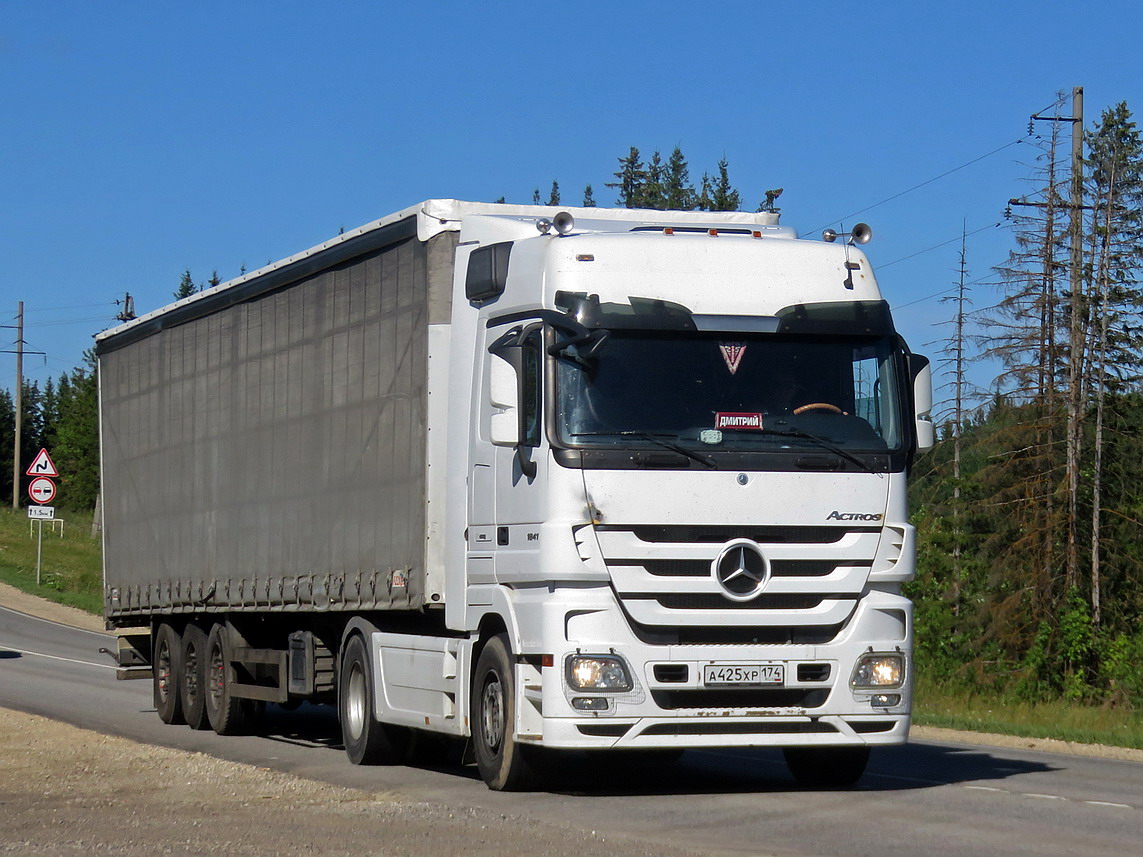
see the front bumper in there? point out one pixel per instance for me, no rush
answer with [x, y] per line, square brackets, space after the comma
[668, 705]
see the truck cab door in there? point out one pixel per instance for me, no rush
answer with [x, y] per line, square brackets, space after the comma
[514, 363]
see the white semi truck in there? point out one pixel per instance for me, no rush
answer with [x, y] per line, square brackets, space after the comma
[537, 479]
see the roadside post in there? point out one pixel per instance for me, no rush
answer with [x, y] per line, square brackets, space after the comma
[41, 490]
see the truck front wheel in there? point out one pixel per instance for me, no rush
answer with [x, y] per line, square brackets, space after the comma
[504, 765]
[367, 740]
[165, 671]
[827, 767]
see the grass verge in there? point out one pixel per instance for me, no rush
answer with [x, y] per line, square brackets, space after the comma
[70, 564]
[1065, 721]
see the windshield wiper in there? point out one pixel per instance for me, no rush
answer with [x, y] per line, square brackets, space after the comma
[822, 442]
[705, 460]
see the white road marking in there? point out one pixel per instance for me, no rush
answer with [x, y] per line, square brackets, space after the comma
[1108, 803]
[1045, 797]
[5, 648]
[54, 622]
[987, 789]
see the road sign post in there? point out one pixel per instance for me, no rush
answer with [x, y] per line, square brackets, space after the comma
[41, 490]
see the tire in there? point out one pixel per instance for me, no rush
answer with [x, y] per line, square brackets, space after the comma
[503, 763]
[367, 740]
[227, 715]
[165, 669]
[827, 767]
[192, 687]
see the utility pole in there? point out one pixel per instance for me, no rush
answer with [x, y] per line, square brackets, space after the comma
[1076, 338]
[19, 405]
[1077, 341]
[19, 351]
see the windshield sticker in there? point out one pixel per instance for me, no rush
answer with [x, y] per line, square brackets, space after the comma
[728, 420]
[732, 353]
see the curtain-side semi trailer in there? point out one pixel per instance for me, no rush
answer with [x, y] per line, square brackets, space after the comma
[538, 479]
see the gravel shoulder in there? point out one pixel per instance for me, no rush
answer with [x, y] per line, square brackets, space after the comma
[65, 790]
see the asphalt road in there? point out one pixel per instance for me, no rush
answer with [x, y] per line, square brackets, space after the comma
[927, 798]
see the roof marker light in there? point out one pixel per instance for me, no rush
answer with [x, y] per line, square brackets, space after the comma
[668, 230]
[756, 233]
[713, 232]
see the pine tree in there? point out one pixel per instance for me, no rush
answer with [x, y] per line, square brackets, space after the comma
[536, 196]
[631, 175]
[1025, 334]
[588, 197]
[76, 445]
[723, 195]
[678, 192]
[1115, 188]
[554, 196]
[214, 280]
[7, 435]
[186, 286]
[652, 193]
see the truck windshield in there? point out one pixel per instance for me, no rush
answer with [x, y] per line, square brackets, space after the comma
[711, 392]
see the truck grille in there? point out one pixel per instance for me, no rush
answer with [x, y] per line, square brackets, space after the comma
[663, 578]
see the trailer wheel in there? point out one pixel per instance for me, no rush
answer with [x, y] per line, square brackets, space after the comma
[826, 767]
[367, 740]
[503, 763]
[166, 669]
[226, 713]
[192, 684]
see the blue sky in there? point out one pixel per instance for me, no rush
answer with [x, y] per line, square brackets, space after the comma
[141, 139]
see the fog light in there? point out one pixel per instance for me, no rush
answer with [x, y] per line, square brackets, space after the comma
[885, 700]
[597, 672]
[879, 670]
[589, 703]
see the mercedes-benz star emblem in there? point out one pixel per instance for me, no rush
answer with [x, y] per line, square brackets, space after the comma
[741, 570]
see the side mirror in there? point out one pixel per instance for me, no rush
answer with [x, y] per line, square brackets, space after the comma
[922, 374]
[505, 424]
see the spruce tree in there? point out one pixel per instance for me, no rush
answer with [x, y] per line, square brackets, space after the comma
[554, 196]
[631, 176]
[186, 286]
[678, 192]
[588, 197]
[723, 195]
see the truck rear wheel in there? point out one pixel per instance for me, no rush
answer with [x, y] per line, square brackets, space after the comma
[193, 684]
[226, 713]
[165, 669]
[827, 767]
[367, 740]
[503, 763]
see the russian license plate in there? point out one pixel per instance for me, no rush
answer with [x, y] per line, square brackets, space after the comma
[715, 675]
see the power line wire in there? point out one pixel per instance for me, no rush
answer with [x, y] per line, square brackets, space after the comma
[916, 187]
[882, 267]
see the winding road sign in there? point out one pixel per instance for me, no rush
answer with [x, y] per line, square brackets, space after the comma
[42, 465]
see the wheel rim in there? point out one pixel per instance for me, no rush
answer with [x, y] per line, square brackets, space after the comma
[217, 676]
[492, 713]
[164, 671]
[355, 701]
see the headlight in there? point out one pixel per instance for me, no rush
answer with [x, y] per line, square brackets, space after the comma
[879, 670]
[597, 672]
